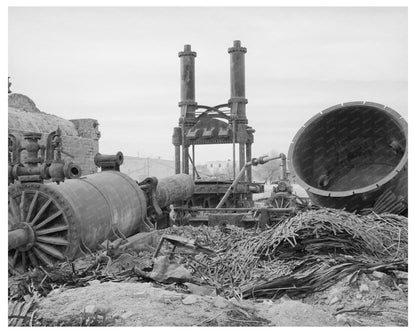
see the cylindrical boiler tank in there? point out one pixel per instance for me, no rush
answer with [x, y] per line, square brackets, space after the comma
[61, 221]
[348, 155]
[174, 189]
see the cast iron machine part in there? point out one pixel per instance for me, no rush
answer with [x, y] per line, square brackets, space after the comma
[240, 216]
[51, 222]
[350, 155]
[221, 124]
[248, 164]
[42, 162]
[109, 162]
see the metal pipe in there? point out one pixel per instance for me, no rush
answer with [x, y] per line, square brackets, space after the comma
[186, 160]
[177, 141]
[248, 158]
[223, 209]
[254, 161]
[177, 160]
[234, 138]
[192, 161]
[242, 159]
[187, 59]
[284, 167]
[237, 70]
[109, 162]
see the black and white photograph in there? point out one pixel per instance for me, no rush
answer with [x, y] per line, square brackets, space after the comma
[207, 165]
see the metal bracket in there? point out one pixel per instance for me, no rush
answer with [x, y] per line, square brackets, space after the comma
[149, 186]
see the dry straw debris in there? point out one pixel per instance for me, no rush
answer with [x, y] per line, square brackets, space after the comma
[300, 255]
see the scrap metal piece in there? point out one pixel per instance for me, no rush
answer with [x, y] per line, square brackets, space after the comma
[51, 222]
[42, 162]
[182, 242]
[348, 155]
[109, 162]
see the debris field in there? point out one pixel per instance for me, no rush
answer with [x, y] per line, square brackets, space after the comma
[338, 268]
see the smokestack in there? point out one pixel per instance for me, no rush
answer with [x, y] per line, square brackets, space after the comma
[237, 70]
[187, 75]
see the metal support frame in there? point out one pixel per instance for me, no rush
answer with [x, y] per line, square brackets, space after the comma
[254, 161]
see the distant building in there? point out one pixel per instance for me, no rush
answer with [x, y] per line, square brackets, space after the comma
[140, 168]
[221, 169]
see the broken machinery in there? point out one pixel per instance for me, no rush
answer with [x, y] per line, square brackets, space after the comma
[54, 222]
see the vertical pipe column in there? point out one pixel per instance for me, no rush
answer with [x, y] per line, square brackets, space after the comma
[187, 59]
[237, 77]
[242, 158]
[187, 103]
[238, 95]
[176, 141]
[177, 160]
[248, 158]
[185, 160]
[284, 167]
[193, 162]
[249, 170]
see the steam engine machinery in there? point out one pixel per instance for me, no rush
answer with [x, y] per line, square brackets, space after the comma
[351, 156]
[51, 222]
[221, 124]
[282, 195]
[42, 162]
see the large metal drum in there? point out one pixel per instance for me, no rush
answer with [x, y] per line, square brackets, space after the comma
[349, 154]
[63, 220]
[174, 189]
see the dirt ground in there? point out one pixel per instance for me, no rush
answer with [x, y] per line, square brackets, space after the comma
[375, 299]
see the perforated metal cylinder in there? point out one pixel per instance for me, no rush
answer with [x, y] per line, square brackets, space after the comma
[105, 205]
[63, 220]
[349, 154]
[174, 189]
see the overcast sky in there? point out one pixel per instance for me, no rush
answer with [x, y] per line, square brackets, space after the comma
[121, 67]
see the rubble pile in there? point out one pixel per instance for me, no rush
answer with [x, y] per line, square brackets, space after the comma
[303, 255]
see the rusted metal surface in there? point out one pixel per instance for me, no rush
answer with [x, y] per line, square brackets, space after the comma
[254, 161]
[187, 59]
[63, 221]
[174, 189]
[41, 162]
[224, 123]
[350, 154]
[109, 162]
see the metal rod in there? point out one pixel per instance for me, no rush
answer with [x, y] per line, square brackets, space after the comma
[242, 159]
[196, 209]
[254, 161]
[194, 168]
[248, 158]
[234, 133]
[177, 159]
[284, 167]
[192, 161]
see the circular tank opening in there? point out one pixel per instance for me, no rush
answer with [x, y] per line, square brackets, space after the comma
[75, 172]
[349, 147]
[119, 158]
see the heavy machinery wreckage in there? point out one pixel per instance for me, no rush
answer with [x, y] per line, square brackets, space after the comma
[351, 156]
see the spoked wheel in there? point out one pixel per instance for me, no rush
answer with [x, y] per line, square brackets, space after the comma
[281, 200]
[46, 229]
